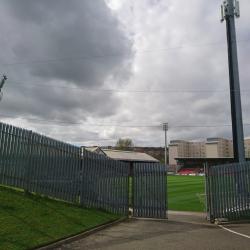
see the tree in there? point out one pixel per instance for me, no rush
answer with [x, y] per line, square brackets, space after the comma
[124, 144]
[162, 160]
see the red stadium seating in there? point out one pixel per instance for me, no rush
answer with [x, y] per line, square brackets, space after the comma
[186, 171]
[196, 171]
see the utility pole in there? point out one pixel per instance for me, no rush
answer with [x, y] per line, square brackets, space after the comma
[165, 128]
[1, 85]
[229, 10]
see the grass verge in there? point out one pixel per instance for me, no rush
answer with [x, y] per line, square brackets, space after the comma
[28, 220]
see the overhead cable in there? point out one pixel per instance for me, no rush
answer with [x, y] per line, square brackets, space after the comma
[128, 91]
[118, 54]
[117, 125]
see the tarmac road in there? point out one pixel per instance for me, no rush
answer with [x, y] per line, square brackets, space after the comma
[183, 230]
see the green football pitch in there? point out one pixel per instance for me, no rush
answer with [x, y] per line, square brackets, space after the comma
[182, 190]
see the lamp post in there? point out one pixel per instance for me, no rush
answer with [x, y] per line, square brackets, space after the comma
[165, 128]
[1, 86]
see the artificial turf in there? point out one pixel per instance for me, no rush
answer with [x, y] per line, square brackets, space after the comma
[28, 220]
[182, 192]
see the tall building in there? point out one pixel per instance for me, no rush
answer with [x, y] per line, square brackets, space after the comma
[219, 147]
[247, 149]
[212, 148]
[179, 148]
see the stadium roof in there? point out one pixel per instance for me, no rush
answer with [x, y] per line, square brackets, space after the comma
[129, 156]
[203, 158]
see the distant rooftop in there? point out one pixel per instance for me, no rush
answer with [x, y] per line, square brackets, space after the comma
[129, 156]
[91, 149]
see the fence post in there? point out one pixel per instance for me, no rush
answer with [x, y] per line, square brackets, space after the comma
[27, 169]
[128, 190]
[208, 198]
[82, 159]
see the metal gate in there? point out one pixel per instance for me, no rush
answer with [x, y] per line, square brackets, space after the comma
[229, 191]
[149, 190]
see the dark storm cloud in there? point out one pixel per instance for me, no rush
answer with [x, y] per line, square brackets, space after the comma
[61, 29]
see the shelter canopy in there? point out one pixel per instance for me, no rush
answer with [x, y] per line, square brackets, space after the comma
[129, 156]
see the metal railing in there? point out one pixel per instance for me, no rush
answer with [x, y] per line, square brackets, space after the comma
[46, 166]
[229, 191]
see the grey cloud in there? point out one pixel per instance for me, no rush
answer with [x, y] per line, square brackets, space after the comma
[60, 105]
[87, 28]
[58, 29]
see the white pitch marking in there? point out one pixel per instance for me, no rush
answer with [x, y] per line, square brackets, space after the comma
[234, 232]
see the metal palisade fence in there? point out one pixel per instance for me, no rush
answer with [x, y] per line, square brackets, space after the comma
[149, 190]
[105, 183]
[39, 164]
[46, 166]
[229, 191]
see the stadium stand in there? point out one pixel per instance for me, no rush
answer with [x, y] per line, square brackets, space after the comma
[202, 171]
[186, 170]
[196, 171]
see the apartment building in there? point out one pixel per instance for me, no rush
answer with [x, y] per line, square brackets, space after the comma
[247, 148]
[219, 147]
[212, 148]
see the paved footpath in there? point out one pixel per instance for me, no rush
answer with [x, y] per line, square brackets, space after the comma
[183, 230]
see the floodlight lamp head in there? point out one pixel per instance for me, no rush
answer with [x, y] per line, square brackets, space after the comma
[165, 126]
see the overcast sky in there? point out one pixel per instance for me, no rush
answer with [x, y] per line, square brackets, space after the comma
[123, 45]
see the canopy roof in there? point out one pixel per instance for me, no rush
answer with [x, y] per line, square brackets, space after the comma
[92, 149]
[129, 156]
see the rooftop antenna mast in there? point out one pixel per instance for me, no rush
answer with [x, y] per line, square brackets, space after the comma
[1, 86]
[228, 11]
